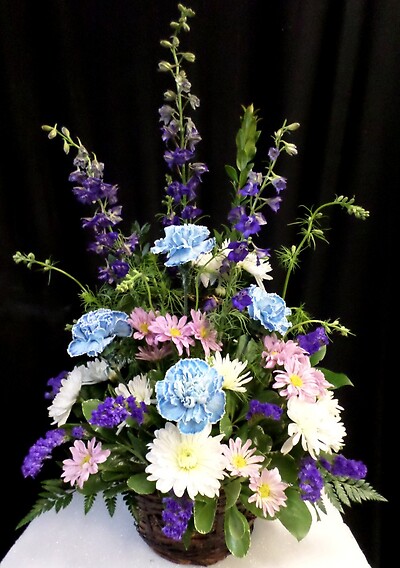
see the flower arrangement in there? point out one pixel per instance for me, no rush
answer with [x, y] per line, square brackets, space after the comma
[193, 379]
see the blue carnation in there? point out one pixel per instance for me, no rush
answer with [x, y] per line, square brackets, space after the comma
[270, 309]
[183, 243]
[95, 330]
[191, 394]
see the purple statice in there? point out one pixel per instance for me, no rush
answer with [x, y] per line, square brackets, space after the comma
[267, 409]
[136, 410]
[54, 383]
[343, 467]
[176, 516]
[110, 413]
[311, 482]
[40, 451]
[78, 432]
[313, 341]
[241, 300]
[113, 411]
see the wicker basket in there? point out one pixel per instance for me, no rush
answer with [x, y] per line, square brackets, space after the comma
[204, 549]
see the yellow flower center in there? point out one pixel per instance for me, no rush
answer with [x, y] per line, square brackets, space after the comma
[187, 458]
[175, 332]
[264, 491]
[203, 332]
[296, 380]
[239, 462]
[144, 328]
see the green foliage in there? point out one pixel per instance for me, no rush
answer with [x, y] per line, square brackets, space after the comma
[237, 532]
[296, 516]
[204, 514]
[54, 495]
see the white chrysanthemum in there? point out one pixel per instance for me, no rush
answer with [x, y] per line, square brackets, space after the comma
[186, 462]
[257, 267]
[316, 424]
[231, 371]
[210, 264]
[96, 371]
[139, 387]
[66, 397]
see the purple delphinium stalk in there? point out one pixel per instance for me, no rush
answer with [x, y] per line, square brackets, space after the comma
[90, 190]
[313, 341]
[176, 516]
[343, 467]
[267, 409]
[181, 136]
[41, 450]
[310, 480]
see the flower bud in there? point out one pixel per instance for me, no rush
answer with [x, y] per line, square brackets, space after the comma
[165, 43]
[189, 56]
[164, 66]
[293, 126]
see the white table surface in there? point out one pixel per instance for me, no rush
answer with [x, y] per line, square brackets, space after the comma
[71, 539]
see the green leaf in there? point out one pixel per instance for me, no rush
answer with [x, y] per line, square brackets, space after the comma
[140, 484]
[225, 425]
[232, 492]
[286, 465]
[237, 532]
[295, 517]
[336, 379]
[231, 172]
[318, 356]
[204, 515]
[88, 406]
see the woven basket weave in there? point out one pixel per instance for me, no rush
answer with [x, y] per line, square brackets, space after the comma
[204, 549]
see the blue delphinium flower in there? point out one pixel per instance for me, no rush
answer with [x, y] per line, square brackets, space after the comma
[183, 243]
[191, 394]
[313, 341]
[270, 309]
[95, 330]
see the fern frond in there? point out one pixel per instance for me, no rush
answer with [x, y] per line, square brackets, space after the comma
[53, 496]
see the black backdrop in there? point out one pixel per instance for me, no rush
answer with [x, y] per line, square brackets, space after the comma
[91, 65]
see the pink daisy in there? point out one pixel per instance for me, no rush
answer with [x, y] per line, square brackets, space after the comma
[297, 379]
[241, 460]
[269, 491]
[169, 328]
[202, 330]
[84, 461]
[277, 352]
[140, 320]
[153, 352]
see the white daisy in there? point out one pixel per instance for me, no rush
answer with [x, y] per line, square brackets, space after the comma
[66, 397]
[186, 462]
[257, 267]
[231, 371]
[210, 264]
[96, 371]
[139, 387]
[316, 424]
